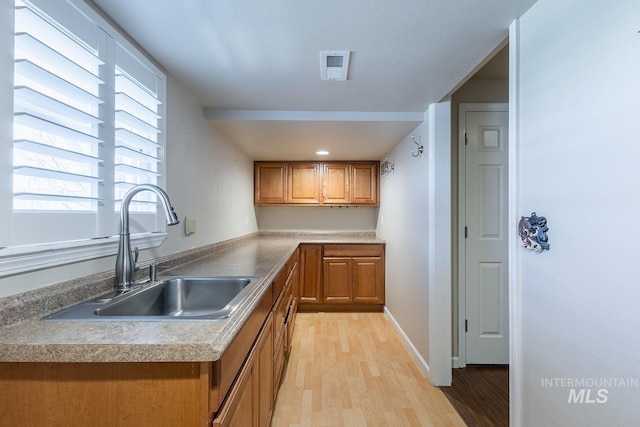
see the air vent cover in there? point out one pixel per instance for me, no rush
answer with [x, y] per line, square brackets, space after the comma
[334, 65]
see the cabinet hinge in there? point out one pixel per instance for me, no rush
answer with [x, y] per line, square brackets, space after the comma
[466, 325]
[466, 139]
[466, 231]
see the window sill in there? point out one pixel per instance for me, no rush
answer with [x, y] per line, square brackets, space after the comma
[21, 259]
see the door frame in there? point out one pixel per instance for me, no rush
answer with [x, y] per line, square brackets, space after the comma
[462, 174]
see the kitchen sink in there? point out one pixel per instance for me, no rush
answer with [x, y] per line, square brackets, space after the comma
[169, 298]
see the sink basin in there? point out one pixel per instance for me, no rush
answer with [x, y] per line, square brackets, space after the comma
[170, 298]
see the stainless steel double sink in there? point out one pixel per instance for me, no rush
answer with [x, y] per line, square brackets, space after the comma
[169, 298]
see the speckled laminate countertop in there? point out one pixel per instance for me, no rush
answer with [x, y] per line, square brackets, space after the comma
[264, 254]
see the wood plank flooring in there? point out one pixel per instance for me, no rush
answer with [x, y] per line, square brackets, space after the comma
[480, 394]
[351, 369]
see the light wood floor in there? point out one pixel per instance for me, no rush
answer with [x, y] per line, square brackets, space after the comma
[351, 369]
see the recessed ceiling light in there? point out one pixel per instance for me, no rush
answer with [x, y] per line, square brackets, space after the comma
[322, 153]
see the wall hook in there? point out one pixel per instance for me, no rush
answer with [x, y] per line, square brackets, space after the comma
[419, 144]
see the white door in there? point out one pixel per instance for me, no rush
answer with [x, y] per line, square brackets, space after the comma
[486, 248]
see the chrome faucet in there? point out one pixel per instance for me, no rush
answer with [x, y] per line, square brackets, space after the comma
[125, 262]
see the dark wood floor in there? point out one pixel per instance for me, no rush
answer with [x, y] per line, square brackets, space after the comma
[480, 394]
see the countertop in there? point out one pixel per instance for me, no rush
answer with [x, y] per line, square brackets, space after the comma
[263, 255]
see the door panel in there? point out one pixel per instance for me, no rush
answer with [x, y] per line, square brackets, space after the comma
[304, 183]
[336, 183]
[337, 280]
[367, 280]
[486, 246]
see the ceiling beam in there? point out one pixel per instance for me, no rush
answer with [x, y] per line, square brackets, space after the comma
[319, 116]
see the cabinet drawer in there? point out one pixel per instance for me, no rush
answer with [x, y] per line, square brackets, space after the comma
[278, 361]
[290, 324]
[278, 284]
[293, 259]
[352, 250]
[279, 311]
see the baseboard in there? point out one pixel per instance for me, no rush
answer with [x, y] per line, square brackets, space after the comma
[422, 364]
[455, 362]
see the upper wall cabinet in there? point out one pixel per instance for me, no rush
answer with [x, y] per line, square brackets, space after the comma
[335, 184]
[303, 183]
[270, 183]
[364, 184]
[316, 184]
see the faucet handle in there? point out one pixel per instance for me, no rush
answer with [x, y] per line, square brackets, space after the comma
[136, 254]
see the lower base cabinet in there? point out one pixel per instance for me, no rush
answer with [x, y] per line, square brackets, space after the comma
[239, 390]
[342, 277]
[162, 394]
[250, 401]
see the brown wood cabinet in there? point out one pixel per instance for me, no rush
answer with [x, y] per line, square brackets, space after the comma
[342, 277]
[337, 273]
[353, 274]
[336, 183]
[105, 394]
[135, 394]
[284, 320]
[250, 400]
[316, 183]
[303, 183]
[238, 390]
[367, 280]
[310, 274]
[364, 184]
[264, 366]
[270, 183]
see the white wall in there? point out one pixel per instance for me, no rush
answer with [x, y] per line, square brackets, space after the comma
[309, 218]
[403, 224]
[578, 93]
[415, 222]
[208, 179]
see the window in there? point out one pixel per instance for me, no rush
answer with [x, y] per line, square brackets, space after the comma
[87, 125]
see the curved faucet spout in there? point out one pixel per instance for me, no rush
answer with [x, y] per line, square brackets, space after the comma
[125, 261]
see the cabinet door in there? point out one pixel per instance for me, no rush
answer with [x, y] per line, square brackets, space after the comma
[240, 408]
[303, 183]
[270, 183]
[337, 280]
[367, 280]
[264, 374]
[364, 184]
[310, 274]
[250, 400]
[335, 179]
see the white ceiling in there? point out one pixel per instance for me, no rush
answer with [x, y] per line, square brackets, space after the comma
[263, 59]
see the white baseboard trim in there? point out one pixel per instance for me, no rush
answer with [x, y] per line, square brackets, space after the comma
[455, 362]
[422, 364]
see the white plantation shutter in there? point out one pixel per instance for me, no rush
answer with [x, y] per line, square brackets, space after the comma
[137, 129]
[88, 124]
[56, 117]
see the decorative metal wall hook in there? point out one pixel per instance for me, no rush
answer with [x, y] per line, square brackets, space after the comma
[419, 144]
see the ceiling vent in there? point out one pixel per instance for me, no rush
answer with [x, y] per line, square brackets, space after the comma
[334, 65]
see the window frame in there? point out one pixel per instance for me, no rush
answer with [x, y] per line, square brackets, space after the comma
[16, 259]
